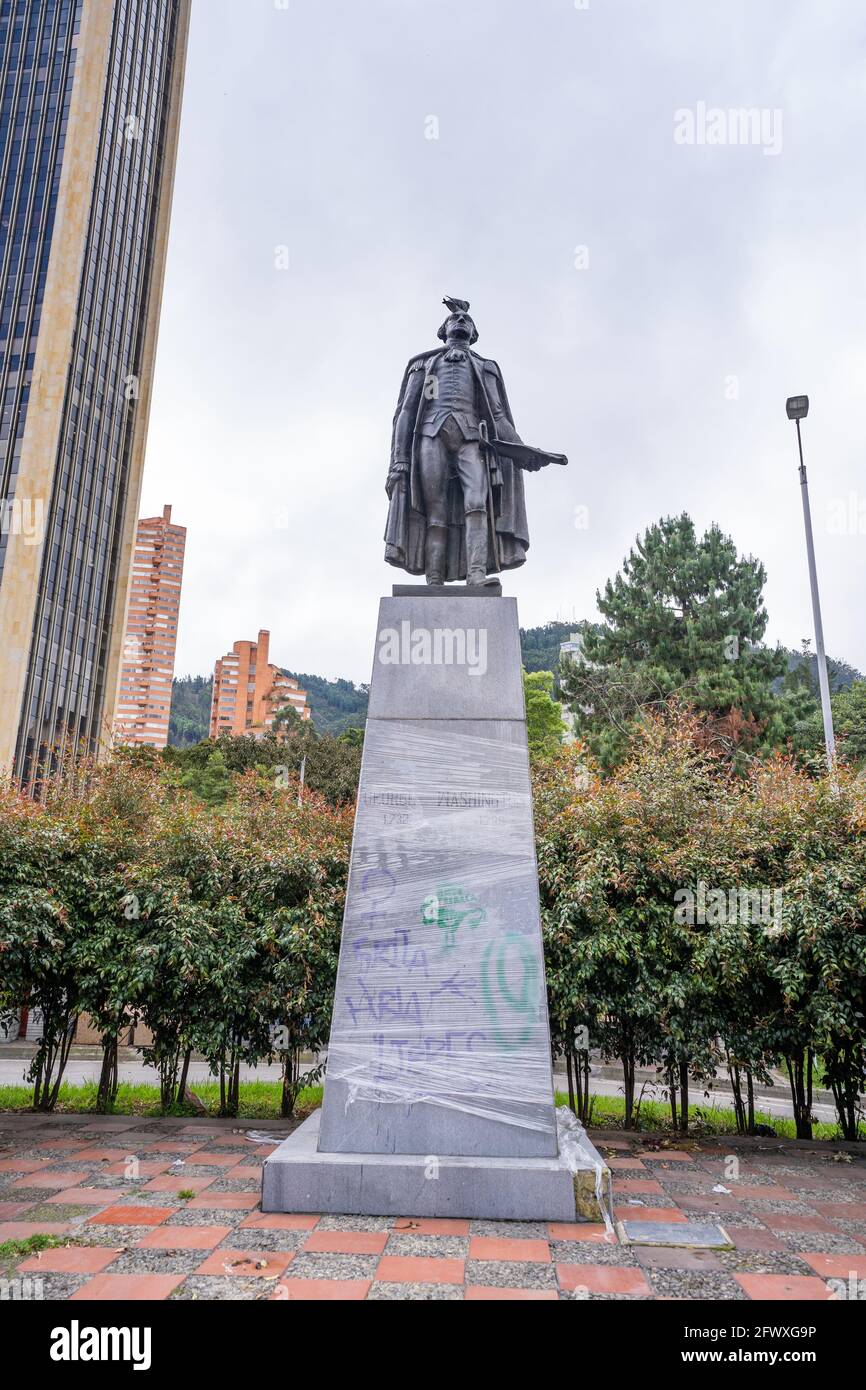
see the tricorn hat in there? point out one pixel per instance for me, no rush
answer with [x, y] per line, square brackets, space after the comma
[458, 306]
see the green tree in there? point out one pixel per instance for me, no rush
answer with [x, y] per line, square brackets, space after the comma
[849, 724]
[612, 854]
[849, 718]
[211, 783]
[38, 932]
[683, 618]
[544, 726]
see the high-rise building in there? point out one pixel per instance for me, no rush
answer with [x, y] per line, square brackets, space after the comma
[249, 692]
[144, 699]
[90, 96]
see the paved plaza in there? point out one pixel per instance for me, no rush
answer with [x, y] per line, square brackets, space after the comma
[169, 1209]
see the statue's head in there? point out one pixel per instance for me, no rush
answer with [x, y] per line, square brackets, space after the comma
[459, 326]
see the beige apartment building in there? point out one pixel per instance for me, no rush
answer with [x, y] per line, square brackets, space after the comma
[249, 691]
[144, 698]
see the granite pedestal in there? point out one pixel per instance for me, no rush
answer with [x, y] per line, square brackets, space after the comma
[439, 1090]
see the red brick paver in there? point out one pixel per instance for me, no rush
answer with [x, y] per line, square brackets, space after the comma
[603, 1279]
[184, 1238]
[132, 1216]
[49, 1179]
[502, 1248]
[126, 1287]
[70, 1259]
[419, 1269]
[565, 1230]
[264, 1264]
[228, 1201]
[783, 1286]
[303, 1290]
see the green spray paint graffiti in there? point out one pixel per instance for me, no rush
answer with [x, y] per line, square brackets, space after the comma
[449, 908]
[507, 1006]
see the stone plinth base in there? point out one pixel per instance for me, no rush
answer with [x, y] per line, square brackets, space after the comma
[298, 1178]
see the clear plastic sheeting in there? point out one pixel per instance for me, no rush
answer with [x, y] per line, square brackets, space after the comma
[580, 1156]
[440, 995]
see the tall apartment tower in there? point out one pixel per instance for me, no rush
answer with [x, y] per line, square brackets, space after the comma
[90, 96]
[144, 699]
[249, 691]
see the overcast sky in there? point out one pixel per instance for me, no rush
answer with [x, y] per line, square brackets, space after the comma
[651, 301]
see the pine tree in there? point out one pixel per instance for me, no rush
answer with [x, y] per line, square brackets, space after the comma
[684, 617]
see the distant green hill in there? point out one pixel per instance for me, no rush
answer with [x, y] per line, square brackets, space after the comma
[190, 710]
[540, 645]
[839, 673]
[336, 705]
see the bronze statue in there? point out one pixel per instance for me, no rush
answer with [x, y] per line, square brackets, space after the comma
[455, 484]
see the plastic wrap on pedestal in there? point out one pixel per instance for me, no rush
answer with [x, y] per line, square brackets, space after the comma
[582, 1158]
[440, 1041]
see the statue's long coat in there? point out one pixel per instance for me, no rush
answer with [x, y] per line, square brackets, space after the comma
[406, 529]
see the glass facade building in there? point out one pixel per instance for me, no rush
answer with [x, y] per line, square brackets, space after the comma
[38, 44]
[89, 106]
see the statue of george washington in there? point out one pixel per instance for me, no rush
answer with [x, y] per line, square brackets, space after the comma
[455, 484]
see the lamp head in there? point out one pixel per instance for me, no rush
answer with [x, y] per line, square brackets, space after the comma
[797, 407]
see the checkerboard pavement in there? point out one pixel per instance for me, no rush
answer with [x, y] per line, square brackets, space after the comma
[117, 1189]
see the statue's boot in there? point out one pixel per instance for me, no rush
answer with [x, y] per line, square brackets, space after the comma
[434, 554]
[476, 548]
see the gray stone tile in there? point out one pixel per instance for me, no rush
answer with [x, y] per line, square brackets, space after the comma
[113, 1236]
[54, 1287]
[55, 1211]
[227, 1184]
[356, 1223]
[454, 1246]
[206, 1216]
[821, 1243]
[510, 1230]
[196, 1169]
[306, 1265]
[511, 1274]
[31, 1195]
[767, 1205]
[588, 1252]
[694, 1284]
[253, 1238]
[762, 1262]
[432, 1293]
[208, 1287]
[157, 1262]
[683, 1234]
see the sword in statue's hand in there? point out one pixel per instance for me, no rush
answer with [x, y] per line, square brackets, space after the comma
[523, 456]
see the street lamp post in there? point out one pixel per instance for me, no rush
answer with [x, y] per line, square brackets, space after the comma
[797, 408]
